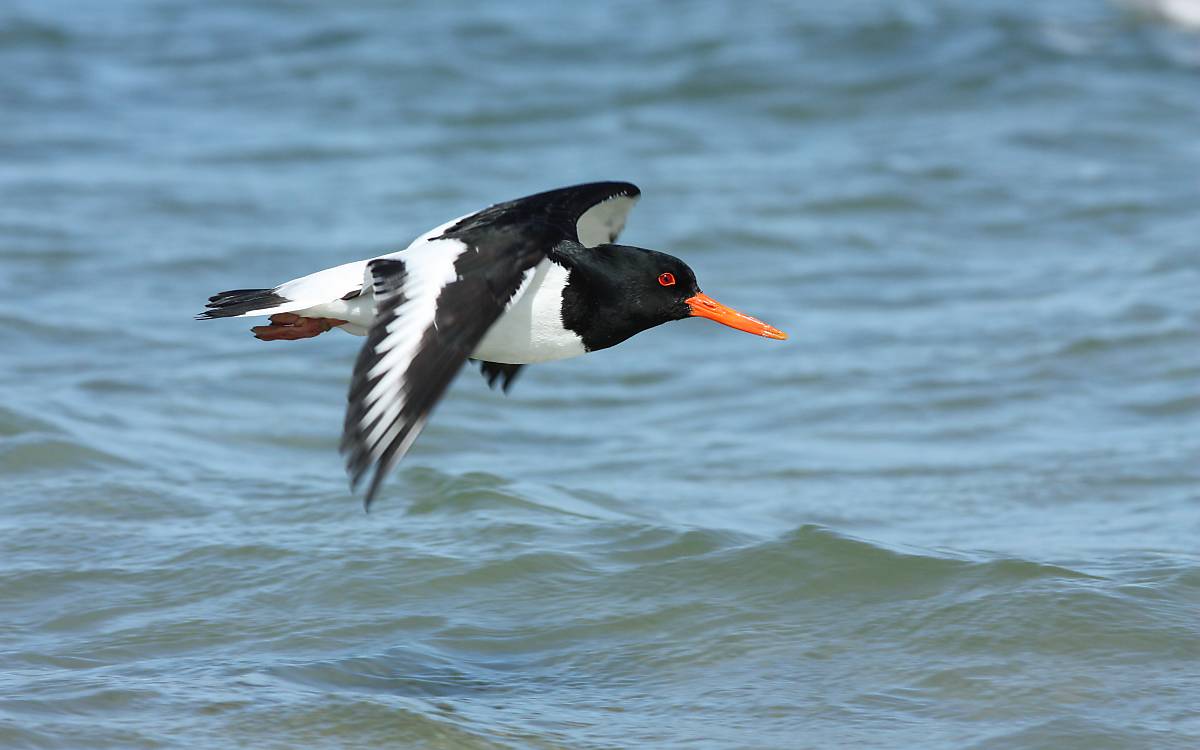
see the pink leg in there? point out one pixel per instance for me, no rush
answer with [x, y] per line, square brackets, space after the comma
[290, 326]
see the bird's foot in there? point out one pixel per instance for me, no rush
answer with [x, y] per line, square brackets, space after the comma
[290, 326]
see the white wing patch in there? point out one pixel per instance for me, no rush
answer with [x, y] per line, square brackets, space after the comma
[429, 268]
[602, 222]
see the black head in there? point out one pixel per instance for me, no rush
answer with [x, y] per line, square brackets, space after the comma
[616, 291]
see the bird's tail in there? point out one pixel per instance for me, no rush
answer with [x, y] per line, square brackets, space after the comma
[240, 302]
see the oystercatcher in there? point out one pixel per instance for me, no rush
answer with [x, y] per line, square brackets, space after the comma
[531, 280]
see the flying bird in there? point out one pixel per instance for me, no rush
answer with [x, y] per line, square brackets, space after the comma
[530, 280]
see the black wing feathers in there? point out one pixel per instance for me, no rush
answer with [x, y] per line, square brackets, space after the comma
[466, 308]
[554, 211]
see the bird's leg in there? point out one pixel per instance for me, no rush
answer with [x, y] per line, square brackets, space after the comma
[290, 326]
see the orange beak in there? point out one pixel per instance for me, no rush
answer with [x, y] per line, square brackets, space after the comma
[704, 306]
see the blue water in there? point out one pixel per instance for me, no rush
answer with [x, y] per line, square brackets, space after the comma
[959, 508]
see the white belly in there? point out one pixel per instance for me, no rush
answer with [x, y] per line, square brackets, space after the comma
[531, 329]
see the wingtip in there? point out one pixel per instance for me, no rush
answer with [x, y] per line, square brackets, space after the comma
[373, 490]
[368, 498]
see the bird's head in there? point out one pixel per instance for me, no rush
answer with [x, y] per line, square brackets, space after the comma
[633, 289]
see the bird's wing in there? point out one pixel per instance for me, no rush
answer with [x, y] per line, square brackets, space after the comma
[435, 301]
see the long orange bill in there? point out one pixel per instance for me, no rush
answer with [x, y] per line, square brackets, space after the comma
[704, 306]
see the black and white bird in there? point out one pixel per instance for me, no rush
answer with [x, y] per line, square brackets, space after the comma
[531, 280]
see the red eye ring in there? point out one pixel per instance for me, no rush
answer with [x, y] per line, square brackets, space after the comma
[666, 279]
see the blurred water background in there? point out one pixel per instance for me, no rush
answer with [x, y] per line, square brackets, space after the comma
[958, 509]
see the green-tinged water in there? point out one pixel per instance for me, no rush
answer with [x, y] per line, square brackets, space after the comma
[959, 508]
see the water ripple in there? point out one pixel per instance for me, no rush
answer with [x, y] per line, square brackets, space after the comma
[956, 509]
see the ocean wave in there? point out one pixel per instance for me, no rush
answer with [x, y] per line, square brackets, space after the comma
[20, 456]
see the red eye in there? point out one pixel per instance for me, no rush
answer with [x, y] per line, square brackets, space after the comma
[666, 279]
